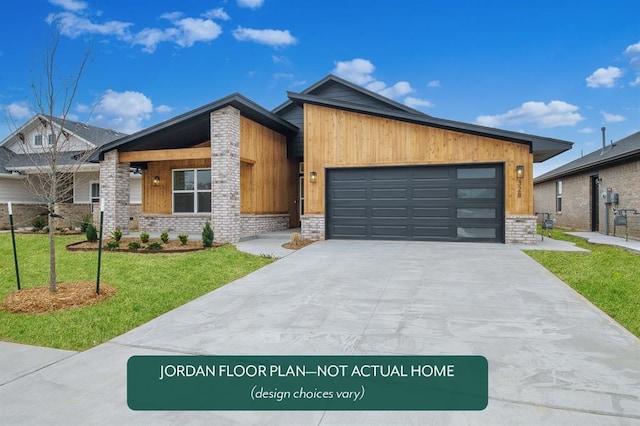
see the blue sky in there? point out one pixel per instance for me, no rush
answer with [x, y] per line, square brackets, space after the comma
[561, 69]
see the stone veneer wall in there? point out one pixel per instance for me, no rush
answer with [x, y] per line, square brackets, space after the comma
[520, 229]
[114, 189]
[188, 224]
[225, 174]
[313, 227]
[254, 224]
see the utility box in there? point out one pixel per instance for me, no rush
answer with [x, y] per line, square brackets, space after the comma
[620, 220]
[610, 197]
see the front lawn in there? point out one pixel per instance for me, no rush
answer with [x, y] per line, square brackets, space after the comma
[147, 285]
[608, 276]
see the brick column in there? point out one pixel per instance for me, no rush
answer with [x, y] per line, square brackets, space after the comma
[520, 229]
[114, 188]
[225, 175]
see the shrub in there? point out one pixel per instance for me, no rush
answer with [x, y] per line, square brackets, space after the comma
[164, 237]
[207, 235]
[183, 239]
[144, 237]
[116, 234]
[112, 245]
[134, 245]
[154, 246]
[86, 220]
[91, 233]
[39, 223]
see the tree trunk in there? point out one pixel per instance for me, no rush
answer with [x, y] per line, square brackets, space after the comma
[52, 250]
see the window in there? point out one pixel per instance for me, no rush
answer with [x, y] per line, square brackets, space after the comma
[50, 139]
[37, 140]
[477, 173]
[95, 192]
[192, 191]
[559, 196]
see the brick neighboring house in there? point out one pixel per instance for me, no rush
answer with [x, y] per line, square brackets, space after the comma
[573, 193]
[336, 159]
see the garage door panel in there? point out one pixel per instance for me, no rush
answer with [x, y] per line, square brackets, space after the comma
[437, 203]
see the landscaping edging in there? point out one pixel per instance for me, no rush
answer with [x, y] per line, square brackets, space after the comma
[74, 247]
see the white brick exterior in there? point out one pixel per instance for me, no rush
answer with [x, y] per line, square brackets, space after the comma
[254, 224]
[189, 224]
[520, 229]
[313, 227]
[114, 189]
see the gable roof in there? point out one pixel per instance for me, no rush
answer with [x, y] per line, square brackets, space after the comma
[5, 157]
[624, 149]
[542, 148]
[193, 127]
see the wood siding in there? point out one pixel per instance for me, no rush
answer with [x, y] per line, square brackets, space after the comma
[336, 138]
[158, 199]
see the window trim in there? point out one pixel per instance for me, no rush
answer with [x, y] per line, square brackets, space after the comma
[91, 183]
[558, 196]
[194, 191]
[37, 140]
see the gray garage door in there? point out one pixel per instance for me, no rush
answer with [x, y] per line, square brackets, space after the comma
[428, 203]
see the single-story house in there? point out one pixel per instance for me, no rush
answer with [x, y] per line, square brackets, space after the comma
[336, 159]
[23, 156]
[580, 195]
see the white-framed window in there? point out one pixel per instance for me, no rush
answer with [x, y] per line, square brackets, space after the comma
[50, 139]
[192, 191]
[94, 195]
[37, 140]
[559, 196]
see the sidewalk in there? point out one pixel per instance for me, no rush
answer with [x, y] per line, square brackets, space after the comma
[597, 238]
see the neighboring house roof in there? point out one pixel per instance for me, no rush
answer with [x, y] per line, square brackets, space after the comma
[193, 127]
[542, 148]
[625, 149]
[22, 162]
[5, 156]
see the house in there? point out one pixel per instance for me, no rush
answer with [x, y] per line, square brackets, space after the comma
[336, 159]
[580, 194]
[23, 156]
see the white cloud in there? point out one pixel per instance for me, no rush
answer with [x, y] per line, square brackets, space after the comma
[356, 70]
[149, 38]
[280, 60]
[635, 82]
[192, 30]
[553, 114]
[633, 51]
[218, 13]
[252, 4]
[71, 5]
[172, 16]
[74, 26]
[163, 109]
[18, 110]
[434, 83]
[604, 77]
[123, 111]
[412, 102]
[274, 38]
[612, 118]
[586, 130]
[398, 90]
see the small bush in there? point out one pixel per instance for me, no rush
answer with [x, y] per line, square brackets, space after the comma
[144, 237]
[183, 239]
[91, 233]
[117, 234]
[134, 245]
[154, 246]
[164, 237]
[112, 245]
[207, 235]
[86, 220]
[39, 223]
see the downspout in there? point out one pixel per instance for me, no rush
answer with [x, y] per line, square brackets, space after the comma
[606, 205]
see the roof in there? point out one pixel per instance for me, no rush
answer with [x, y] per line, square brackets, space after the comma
[5, 156]
[193, 127]
[622, 150]
[543, 148]
[24, 161]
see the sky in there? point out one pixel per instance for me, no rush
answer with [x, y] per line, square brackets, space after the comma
[559, 69]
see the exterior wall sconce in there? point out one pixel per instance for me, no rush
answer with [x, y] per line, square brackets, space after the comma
[156, 180]
[313, 177]
[519, 172]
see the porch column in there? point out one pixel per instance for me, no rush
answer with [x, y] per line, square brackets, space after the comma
[225, 175]
[114, 188]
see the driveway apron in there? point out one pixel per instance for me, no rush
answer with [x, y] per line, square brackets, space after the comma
[553, 357]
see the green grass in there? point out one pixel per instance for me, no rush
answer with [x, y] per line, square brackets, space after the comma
[147, 285]
[608, 276]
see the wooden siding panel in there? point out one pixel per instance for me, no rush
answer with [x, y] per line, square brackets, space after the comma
[158, 199]
[336, 138]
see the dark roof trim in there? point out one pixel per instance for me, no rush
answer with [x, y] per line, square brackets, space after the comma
[247, 108]
[555, 174]
[352, 86]
[547, 147]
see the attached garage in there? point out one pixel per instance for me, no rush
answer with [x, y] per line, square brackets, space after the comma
[425, 203]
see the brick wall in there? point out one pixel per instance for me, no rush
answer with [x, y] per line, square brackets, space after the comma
[520, 229]
[22, 214]
[114, 189]
[313, 227]
[188, 224]
[624, 180]
[225, 174]
[254, 224]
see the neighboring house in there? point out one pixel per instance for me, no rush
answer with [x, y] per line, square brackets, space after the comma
[22, 158]
[575, 193]
[337, 159]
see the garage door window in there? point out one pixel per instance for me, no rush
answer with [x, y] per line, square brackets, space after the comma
[476, 193]
[477, 173]
[476, 233]
[476, 213]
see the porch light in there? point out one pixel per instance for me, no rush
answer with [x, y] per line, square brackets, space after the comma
[313, 177]
[519, 172]
[156, 180]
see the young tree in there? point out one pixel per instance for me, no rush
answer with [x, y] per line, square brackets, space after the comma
[56, 159]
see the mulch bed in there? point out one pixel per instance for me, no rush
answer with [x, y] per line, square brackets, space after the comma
[68, 296]
[173, 246]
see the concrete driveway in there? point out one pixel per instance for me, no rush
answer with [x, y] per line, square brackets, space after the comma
[553, 357]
